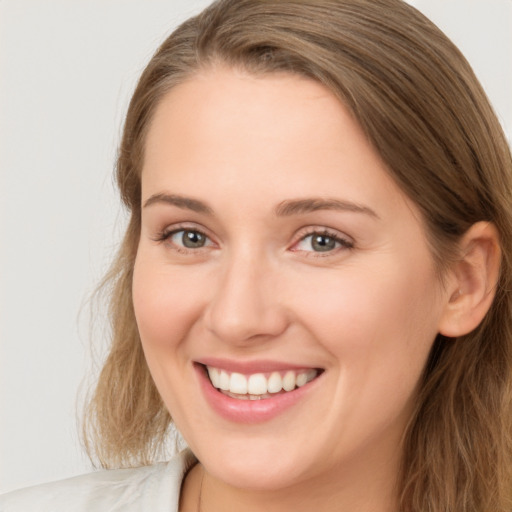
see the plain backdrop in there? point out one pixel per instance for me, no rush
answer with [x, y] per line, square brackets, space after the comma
[67, 69]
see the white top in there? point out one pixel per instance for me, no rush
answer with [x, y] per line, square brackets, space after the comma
[153, 488]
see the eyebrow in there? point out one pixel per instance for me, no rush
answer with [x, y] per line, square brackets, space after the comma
[186, 203]
[284, 209]
[301, 206]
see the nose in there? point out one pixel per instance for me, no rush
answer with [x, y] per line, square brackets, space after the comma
[245, 306]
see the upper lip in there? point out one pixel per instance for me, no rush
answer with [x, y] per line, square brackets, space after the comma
[249, 367]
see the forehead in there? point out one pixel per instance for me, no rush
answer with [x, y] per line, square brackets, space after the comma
[277, 134]
[223, 105]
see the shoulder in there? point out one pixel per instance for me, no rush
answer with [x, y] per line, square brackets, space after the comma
[154, 488]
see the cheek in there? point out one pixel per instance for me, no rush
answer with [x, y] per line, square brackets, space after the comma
[381, 320]
[166, 304]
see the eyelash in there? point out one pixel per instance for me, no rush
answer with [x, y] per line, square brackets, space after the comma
[343, 243]
[166, 235]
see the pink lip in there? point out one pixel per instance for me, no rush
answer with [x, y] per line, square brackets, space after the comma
[249, 367]
[249, 411]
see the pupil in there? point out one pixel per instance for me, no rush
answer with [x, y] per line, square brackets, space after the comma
[193, 239]
[323, 243]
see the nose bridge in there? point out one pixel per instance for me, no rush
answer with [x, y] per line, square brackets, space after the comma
[246, 304]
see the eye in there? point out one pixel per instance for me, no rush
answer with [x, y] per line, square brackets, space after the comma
[189, 238]
[322, 242]
[185, 239]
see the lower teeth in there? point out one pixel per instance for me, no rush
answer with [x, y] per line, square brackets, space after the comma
[248, 397]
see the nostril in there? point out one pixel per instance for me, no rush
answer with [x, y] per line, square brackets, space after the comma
[245, 306]
[242, 327]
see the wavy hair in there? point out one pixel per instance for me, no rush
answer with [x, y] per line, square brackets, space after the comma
[421, 106]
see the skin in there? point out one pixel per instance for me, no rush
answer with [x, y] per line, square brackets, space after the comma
[366, 312]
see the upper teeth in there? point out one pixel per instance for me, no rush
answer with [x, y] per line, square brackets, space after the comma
[259, 383]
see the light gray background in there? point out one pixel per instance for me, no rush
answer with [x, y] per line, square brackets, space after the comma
[67, 68]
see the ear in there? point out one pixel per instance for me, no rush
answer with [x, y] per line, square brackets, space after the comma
[473, 279]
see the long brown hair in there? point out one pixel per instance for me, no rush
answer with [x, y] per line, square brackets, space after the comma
[422, 108]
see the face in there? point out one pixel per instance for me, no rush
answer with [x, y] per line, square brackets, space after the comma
[277, 254]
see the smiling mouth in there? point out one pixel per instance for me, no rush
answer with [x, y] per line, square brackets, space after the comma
[259, 386]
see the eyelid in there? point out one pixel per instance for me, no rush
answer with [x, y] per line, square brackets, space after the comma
[346, 241]
[164, 236]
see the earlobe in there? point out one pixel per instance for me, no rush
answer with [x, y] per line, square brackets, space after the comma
[473, 280]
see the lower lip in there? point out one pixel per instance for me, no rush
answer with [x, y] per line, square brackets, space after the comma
[250, 411]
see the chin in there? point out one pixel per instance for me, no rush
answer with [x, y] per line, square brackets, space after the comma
[254, 464]
[258, 474]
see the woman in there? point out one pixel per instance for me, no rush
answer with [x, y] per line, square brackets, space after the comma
[314, 283]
